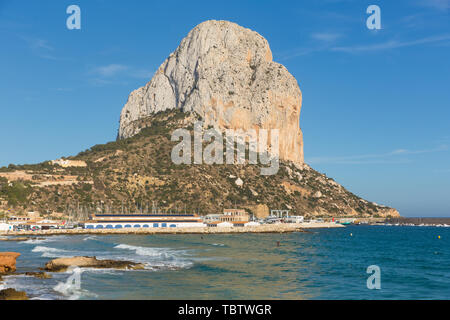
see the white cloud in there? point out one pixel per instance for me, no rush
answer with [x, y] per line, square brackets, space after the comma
[40, 47]
[380, 158]
[117, 74]
[325, 46]
[437, 4]
[391, 44]
[109, 70]
[326, 36]
[40, 44]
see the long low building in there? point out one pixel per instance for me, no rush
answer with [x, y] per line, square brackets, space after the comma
[119, 221]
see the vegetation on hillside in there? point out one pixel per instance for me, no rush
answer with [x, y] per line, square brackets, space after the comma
[138, 172]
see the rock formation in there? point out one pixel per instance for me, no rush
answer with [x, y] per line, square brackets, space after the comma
[62, 264]
[39, 275]
[8, 262]
[12, 294]
[18, 239]
[225, 74]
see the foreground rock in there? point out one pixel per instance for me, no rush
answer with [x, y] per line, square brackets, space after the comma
[14, 239]
[225, 74]
[12, 294]
[62, 264]
[8, 262]
[40, 275]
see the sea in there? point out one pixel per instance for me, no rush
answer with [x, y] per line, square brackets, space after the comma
[411, 262]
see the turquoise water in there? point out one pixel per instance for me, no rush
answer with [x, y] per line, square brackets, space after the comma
[321, 264]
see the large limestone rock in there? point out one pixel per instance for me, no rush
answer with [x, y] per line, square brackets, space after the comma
[62, 264]
[8, 262]
[12, 294]
[224, 73]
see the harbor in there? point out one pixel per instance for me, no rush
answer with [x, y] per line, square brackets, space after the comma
[263, 228]
[230, 221]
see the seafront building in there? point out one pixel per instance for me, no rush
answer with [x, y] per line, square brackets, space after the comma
[229, 218]
[32, 221]
[235, 215]
[119, 221]
[229, 215]
[5, 227]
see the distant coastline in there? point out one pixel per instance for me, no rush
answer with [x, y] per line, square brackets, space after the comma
[417, 221]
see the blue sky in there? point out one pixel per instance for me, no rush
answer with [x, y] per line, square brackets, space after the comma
[375, 102]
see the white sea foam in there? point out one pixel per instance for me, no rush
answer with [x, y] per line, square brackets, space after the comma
[218, 244]
[46, 240]
[103, 271]
[35, 241]
[90, 238]
[145, 251]
[49, 252]
[36, 289]
[158, 258]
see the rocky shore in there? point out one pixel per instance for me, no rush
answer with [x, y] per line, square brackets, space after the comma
[8, 268]
[8, 262]
[14, 239]
[62, 264]
[12, 294]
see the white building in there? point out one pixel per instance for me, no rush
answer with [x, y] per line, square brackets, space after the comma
[5, 227]
[252, 224]
[295, 219]
[115, 221]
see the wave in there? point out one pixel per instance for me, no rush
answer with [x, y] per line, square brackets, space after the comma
[36, 289]
[158, 258]
[90, 238]
[35, 241]
[62, 286]
[45, 240]
[145, 251]
[49, 252]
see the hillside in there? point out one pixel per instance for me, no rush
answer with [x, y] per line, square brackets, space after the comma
[137, 174]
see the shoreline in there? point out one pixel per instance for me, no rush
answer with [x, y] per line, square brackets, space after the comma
[268, 228]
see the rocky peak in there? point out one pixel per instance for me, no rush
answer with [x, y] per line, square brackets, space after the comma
[225, 74]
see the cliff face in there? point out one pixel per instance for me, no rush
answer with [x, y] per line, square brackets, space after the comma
[225, 74]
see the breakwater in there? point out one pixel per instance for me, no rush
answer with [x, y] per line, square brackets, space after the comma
[419, 221]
